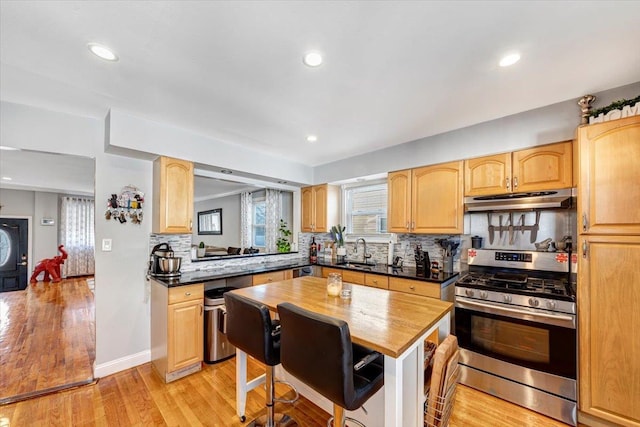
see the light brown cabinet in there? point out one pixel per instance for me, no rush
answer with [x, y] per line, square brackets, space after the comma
[547, 167]
[270, 277]
[417, 287]
[426, 200]
[376, 280]
[176, 329]
[349, 276]
[319, 208]
[172, 196]
[608, 274]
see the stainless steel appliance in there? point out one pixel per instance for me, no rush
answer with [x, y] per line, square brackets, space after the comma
[162, 263]
[216, 345]
[516, 325]
[550, 199]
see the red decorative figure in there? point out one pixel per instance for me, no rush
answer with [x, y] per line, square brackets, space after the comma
[50, 267]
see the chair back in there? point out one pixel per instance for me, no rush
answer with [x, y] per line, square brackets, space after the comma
[249, 328]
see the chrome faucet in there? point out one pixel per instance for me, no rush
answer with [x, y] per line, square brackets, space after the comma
[365, 256]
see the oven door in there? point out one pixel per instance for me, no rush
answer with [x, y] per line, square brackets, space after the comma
[534, 339]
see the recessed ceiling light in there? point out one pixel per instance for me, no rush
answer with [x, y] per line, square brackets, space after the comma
[312, 59]
[7, 178]
[4, 147]
[226, 171]
[312, 138]
[102, 52]
[510, 59]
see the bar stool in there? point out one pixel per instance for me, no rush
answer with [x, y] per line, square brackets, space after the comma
[318, 350]
[250, 328]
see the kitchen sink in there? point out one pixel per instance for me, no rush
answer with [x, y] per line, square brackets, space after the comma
[360, 265]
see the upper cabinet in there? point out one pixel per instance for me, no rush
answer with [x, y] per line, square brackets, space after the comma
[319, 208]
[609, 194]
[172, 196]
[426, 200]
[547, 167]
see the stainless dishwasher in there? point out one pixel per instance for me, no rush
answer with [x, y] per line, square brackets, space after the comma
[216, 345]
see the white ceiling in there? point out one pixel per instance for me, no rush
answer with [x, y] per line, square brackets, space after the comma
[393, 72]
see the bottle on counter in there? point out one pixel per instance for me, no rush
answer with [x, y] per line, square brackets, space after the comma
[313, 251]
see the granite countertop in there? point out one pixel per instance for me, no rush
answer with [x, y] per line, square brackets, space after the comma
[191, 277]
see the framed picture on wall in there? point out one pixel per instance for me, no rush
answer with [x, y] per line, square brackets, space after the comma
[210, 222]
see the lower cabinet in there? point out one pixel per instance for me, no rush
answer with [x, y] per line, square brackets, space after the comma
[417, 287]
[177, 329]
[376, 280]
[272, 276]
[355, 277]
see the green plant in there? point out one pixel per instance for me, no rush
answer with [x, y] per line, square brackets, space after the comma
[283, 244]
[337, 234]
[616, 105]
[201, 245]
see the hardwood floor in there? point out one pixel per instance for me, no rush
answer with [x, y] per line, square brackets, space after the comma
[138, 397]
[47, 337]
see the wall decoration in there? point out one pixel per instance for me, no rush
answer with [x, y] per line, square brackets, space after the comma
[127, 206]
[616, 110]
[210, 222]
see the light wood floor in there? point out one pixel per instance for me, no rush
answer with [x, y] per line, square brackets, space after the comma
[47, 337]
[138, 397]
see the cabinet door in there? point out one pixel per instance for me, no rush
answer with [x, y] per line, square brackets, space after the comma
[609, 190]
[417, 287]
[376, 281]
[437, 205]
[270, 277]
[399, 202]
[608, 323]
[185, 339]
[306, 211]
[487, 175]
[320, 200]
[173, 196]
[548, 167]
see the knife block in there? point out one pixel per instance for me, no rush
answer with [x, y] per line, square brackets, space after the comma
[423, 264]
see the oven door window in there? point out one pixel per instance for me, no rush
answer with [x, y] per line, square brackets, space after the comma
[538, 346]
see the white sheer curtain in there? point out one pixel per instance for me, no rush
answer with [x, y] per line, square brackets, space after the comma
[273, 201]
[77, 236]
[246, 219]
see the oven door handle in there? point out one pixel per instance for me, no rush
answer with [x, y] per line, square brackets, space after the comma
[567, 321]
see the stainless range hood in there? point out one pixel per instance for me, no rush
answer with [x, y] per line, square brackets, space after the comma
[551, 199]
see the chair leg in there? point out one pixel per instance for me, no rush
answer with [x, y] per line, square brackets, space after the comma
[295, 398]
[271, 419]
[339, 415]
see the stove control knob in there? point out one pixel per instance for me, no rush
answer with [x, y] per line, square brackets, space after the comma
[507, 298]
[534, 302]
[469, 292]
[484, 295]
[551, 304]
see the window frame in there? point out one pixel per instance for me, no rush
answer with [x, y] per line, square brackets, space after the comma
[351, 237]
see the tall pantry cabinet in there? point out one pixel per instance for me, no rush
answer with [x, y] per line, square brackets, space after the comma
[609, 272]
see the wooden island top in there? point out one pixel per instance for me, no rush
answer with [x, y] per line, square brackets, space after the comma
[387, 321]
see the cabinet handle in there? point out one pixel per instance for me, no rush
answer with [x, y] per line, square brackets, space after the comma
[584, 222]
[413, 288]
[584, 249]
[413, 225]
[515, 182]
[375, 281]
[201, 310]
[508, 184]
[191, 225]
[187, 294]
[269, 279]
[408, 225]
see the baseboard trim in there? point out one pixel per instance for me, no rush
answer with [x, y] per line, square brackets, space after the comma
[121, 364]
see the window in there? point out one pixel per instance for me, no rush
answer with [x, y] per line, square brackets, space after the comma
[259, 223]
[366, 209]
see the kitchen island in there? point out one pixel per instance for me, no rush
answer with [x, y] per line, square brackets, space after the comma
[393, 323]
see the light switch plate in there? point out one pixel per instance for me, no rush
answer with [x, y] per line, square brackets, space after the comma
[106, 245]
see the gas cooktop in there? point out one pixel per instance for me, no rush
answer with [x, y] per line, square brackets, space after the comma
[519, 283]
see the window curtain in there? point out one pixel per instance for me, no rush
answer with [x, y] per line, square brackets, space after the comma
[246, 218]
[77, 236]
[273, 201]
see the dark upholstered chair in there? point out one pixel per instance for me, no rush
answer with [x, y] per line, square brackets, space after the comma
[317, 349]
[250, 328]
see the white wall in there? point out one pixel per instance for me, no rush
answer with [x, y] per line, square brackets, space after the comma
[549, 124]
[230, 222]
[45, 237]
[121, 291]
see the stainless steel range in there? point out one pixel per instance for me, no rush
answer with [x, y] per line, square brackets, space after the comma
[515, 317]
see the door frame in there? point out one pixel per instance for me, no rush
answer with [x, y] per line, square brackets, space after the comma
[29, 219]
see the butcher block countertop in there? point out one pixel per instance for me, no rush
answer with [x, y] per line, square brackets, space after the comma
[386, 321]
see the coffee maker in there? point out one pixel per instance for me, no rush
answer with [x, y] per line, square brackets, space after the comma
[162, 263]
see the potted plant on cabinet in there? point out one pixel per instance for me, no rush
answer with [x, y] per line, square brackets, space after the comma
[337, 234]
[201, 250]
[283, 244]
